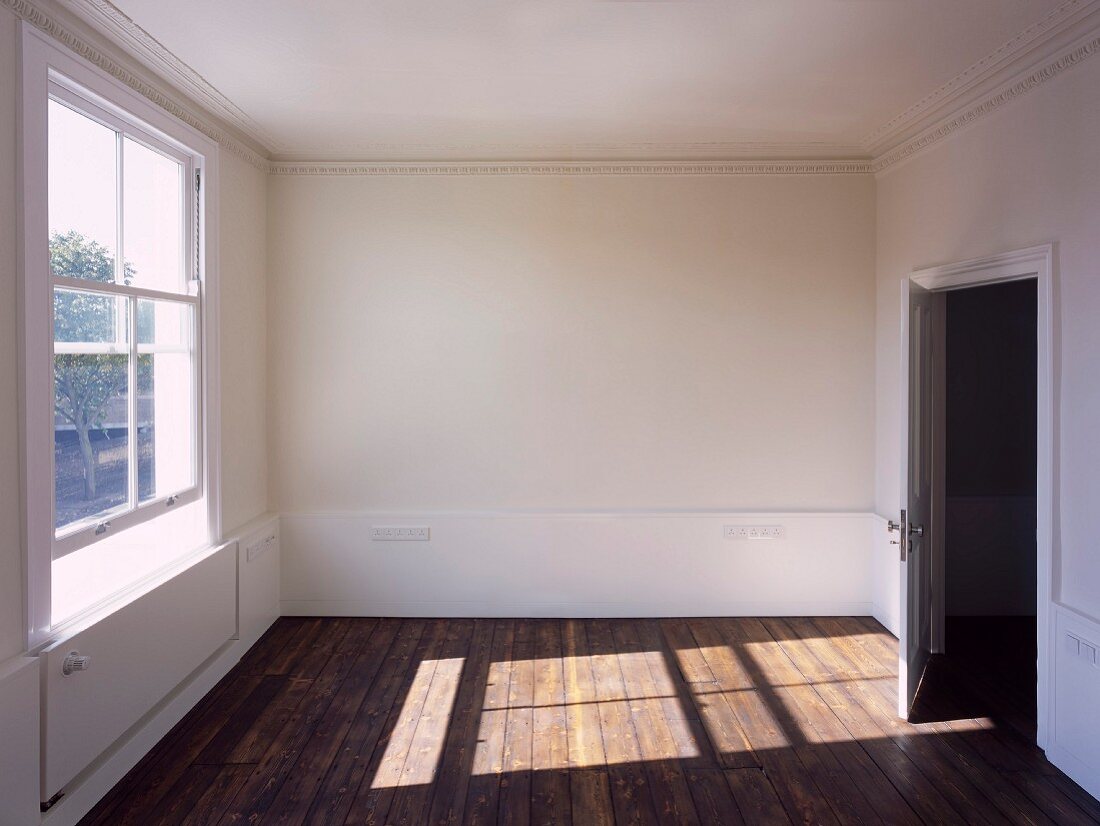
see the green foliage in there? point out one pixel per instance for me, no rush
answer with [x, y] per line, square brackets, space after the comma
[85, 383]
[80, 316]
[74, 256]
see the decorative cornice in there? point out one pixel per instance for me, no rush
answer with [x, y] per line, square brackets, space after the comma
[583, 152]
[74, 42]
[1074, 56]
[111, 21]
[957, 87]
[552, 168]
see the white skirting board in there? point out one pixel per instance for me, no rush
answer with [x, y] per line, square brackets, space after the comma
[561, 564]
[1074, 746]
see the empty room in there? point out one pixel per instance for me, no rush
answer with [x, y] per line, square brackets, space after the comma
[587, 413]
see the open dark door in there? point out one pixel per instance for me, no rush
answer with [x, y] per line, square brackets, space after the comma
[915, 640]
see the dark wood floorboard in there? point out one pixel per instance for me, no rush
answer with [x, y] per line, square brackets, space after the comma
[574, 722]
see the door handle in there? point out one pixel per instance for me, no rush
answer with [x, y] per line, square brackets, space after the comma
[917, 529]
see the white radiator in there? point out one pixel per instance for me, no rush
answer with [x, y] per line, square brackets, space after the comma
[137, 656]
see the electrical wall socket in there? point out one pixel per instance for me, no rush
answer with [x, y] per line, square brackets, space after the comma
[754, 532]
[392, 533]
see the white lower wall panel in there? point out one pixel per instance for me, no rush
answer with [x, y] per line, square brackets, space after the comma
[258, 572]
[139, 654]
[885, 576]
[19, 741]
[1076, 742]
[575, 564]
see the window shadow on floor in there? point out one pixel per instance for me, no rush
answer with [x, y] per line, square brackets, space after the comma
[356, 720]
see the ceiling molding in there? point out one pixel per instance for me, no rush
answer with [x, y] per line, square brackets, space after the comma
[121, 29]
[76, 43]
[621, 152]
[559, 168]
[1008, 56]
[1030, 80]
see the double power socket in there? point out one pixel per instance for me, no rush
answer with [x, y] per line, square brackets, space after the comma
[754, 532]
[394, 533]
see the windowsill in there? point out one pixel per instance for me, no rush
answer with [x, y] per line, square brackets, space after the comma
[124, 596]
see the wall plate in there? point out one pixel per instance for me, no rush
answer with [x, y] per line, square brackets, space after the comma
[754, 532]
[394, 533]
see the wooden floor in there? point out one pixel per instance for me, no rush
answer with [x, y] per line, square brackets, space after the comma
[716, 721]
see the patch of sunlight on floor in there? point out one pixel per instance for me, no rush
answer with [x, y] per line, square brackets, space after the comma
[701, 689]
[960, 726]
[571, 718]
[416, 743]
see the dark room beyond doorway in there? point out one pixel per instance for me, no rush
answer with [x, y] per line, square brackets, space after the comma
[990, 503]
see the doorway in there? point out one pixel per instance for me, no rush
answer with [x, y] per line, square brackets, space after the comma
[975, 530]
[984, 508]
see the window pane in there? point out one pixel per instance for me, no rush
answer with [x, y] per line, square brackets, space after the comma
[166, 402]
[91, 446]
[82, 195]
[91, 404]
[152, 207]
[81, 317]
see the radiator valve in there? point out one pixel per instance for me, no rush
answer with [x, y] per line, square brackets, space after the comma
[74, 662]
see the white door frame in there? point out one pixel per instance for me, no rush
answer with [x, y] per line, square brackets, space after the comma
[1038, 263]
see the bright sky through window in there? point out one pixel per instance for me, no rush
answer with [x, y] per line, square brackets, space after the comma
[83, 195]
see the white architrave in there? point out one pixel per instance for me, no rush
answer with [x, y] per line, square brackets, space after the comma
[1038, 263]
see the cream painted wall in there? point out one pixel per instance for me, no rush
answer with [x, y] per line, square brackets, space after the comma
[11, 560]
[243, 324]
[1027, 174]
[571, 342]
[243, 343]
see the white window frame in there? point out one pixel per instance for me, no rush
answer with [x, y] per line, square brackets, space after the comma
[50, 71]
[85, 532]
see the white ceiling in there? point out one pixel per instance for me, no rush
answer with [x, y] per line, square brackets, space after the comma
[353, 80]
